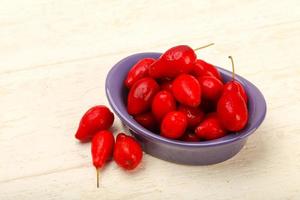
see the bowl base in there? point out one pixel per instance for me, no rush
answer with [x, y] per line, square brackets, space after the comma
[193, 156]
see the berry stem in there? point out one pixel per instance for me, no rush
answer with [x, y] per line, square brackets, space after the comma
[98, 173]
[208, 45]
[232, 64]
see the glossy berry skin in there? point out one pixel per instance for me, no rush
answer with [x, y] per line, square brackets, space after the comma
[177, 60]
[102, 148]
[211, 87]
[166, 85]
[95, 119]
[232, 111]
[186, 89]
[210, 128]
[140, 96]
[173, 125]
[194, 115]
[202, 68]
[138, 71]
[190, 137]
[236, 87]
[147, 120]
[128, 152]
[163, 102]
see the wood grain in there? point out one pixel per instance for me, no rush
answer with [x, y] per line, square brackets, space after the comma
[54, 57]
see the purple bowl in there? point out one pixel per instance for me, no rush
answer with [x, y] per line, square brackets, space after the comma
[189, 153]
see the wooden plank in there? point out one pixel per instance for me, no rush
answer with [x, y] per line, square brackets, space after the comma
[38, 33]
[54, 57]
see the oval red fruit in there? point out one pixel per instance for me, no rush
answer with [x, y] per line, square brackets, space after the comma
[232, 111]
[128, 152]
[95, 119]
[140, 95]
[177, 60]
[194, 115]
[186, 89]
[211, 87]
[102, 148]
[210, 128]
[138, 71]
[147, 120]
[237, 87]
[202, 68]
[173, 125]
[163, 102]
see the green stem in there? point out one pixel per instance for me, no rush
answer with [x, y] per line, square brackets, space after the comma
[232, 64]
[208, 45]
[98, 173]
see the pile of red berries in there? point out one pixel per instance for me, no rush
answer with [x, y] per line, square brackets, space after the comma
[94, 126]
[185, 98]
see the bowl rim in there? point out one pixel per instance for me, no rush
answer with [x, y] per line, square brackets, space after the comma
[140, 130]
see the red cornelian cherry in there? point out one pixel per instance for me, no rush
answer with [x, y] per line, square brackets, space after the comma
[235, 86]
[102, 149]
[95, 119]
[194, 115]
[163, 102]
[232, 109]
[138, 71]
[186, 89]
[140, 96]
[210, 128]
[147, 120]
[128, 152]
[202, 68]
[177, 60]
[211, 87]
[173, 125]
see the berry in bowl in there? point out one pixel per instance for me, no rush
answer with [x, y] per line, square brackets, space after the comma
[182, 109]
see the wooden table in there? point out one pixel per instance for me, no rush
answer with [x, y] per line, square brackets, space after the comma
[54, 57]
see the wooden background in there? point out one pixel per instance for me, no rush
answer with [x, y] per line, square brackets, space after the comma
[54, 57]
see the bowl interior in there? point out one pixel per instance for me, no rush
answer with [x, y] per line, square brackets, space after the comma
[117, 92]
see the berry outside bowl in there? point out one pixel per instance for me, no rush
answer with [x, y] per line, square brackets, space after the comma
[189, 153]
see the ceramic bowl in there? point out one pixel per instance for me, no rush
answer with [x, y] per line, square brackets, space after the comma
[189, 153]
